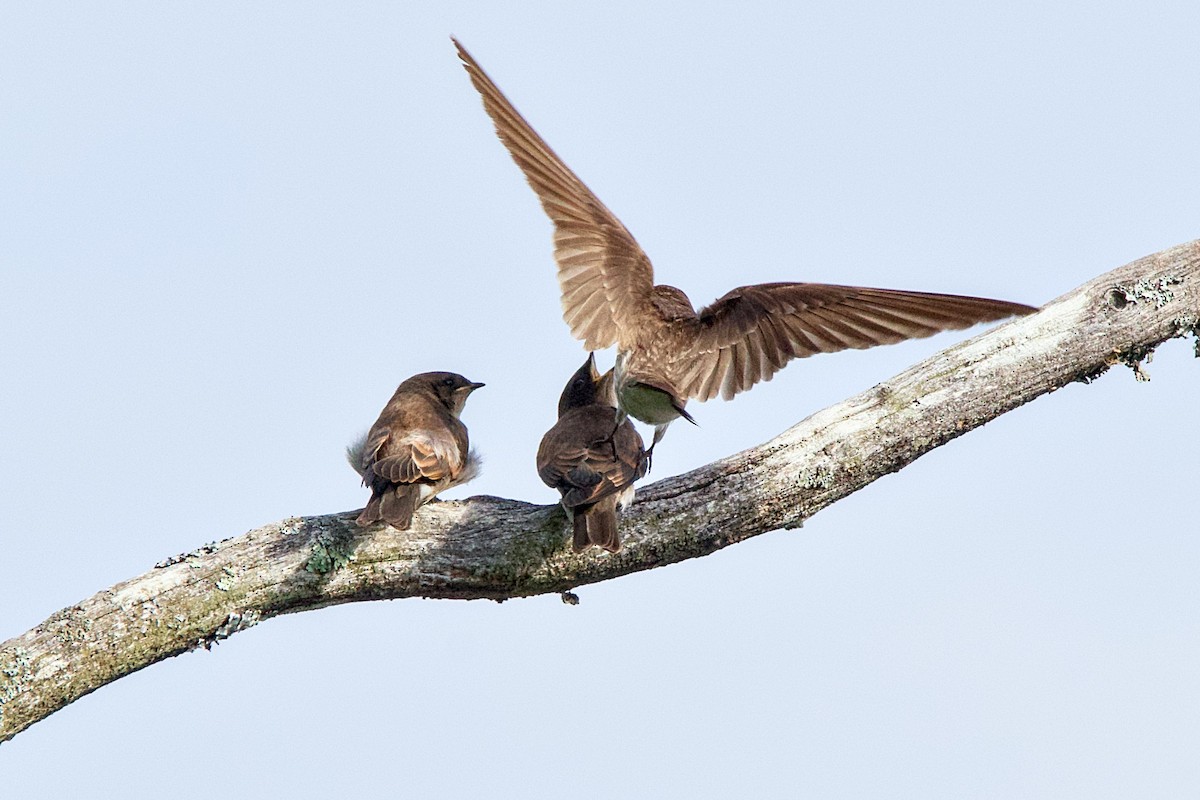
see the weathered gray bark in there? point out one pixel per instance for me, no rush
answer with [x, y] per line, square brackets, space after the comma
[487, 547]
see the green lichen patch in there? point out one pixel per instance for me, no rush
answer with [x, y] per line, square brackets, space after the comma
[70, 626]
[1157, 292]
[1090, 375]
[227, 579]
[331, 550]
[819, 476]
[16, 676]
[291, 526]
[1188, 326]
[203, 550]
[236, 621]
[1133, 358]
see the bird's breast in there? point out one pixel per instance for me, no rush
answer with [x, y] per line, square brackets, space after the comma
[646, 403]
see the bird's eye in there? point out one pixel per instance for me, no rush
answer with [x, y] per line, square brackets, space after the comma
[447, 381]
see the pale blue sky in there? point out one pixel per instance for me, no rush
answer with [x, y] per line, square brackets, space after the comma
[212, 220]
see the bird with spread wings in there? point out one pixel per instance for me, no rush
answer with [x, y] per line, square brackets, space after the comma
[667, 352]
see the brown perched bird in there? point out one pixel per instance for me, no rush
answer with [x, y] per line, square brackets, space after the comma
[667, 352]
[417, 448]
[590, 465]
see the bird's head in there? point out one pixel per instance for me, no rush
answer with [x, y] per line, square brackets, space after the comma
[581, 389]
[450, 388]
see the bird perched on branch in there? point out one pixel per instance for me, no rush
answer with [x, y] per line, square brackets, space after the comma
[667, 352]
[417, 448]
[592, 465]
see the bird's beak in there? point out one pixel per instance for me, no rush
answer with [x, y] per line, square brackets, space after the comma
[466, 390]
[595, 373]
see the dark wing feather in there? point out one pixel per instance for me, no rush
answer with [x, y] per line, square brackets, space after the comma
[559, 459]
[576, 458]
[752, 332]
[417, 457]
[604, 276]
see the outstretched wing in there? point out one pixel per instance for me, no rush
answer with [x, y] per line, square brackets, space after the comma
[752, 332]
[602, 272]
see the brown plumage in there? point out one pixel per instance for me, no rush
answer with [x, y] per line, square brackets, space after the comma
[590, 459]
[417, 448]
[667, 351]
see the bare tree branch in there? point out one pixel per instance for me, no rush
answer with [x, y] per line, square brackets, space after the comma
[487, 547]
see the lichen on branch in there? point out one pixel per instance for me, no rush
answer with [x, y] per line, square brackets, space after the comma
[489, 547]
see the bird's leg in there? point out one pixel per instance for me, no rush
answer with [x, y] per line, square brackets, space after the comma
[659, 432]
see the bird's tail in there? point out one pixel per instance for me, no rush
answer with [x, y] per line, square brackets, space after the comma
[395, 505]
[370, 513]
[398, 505]
[597, 524]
